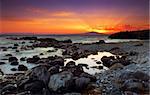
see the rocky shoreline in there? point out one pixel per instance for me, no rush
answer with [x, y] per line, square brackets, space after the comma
[127, 74]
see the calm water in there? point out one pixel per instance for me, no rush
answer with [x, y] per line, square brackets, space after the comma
[90, 60]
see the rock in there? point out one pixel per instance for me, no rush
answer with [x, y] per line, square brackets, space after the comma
[16, 45]
[67, 41]
[70, 64]
[9, 88]
[23, 59]
[51, 51]
[41, 54]
[30, 84]
[98, 62]
[1, 63]
[13, 69]
[133, 53]
[134, 82]
[77, 71]
[12, 59]
[24, 93]
[106, 61]
[116, 66]
[22, 68]
[33, 60]
[40, 73]
[35, 87]
[14, 63]
[86, 75]
[97, 67]
[81, 83]
[1, 72]
[17, 50]
[61, 81]
[115, 91]
[72, 94]
[83, 65]
[9, 55]
[100, 42]
[54, 70]
[57, 61]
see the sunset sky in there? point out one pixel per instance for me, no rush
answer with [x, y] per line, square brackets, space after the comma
[73, 16]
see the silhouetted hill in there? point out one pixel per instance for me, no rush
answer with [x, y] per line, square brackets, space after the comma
[92, 34]
[140, 34]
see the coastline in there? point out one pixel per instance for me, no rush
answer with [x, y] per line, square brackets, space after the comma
[136, 54]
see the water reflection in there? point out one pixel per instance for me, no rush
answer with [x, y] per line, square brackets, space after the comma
[91, 61]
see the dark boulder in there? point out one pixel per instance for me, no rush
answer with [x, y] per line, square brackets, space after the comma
[40, 73]
[33, 60]
[70, 64]
[61, 82]
[81, 83]
[14, 63]
[1, 63]
[13, 69]
[9, 88]
[53, 70]
[22, 68]
[23, 59]
[12, 59]
[100, 42]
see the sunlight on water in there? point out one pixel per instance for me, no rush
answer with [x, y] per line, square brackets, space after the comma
[91, 61]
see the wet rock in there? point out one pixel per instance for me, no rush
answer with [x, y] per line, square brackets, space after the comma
[24, 93]
[115, 91]
[133, 53]
[83, 65]
[53, 70]
[86, 75]
[14, 63]
[98, 62]
[16, 45]
[33, 60]
[106, 61]
[5, 49]
[40, 73]
[77, 71]
[1, 72]
[70, 64]
[17, 51]
[116, 66]
[57, 61]
[61, 82]
[30, 84]
[12, 59]
[9, 55]
[72, 94]
[100, 42]
[13, 69]
[134, 82]
[81, 83]
[22, 68]
[51, 51]
[23, 59]
[67, 41]
[9, 88]
[35, 87]
[1, 63]
[41, 54]
[98, 67]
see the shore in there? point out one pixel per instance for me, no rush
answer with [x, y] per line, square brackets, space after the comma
[127, 71]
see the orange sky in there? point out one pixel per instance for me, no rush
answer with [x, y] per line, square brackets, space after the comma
[44, 21]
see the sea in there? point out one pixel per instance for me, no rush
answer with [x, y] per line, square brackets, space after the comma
[90, 60]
